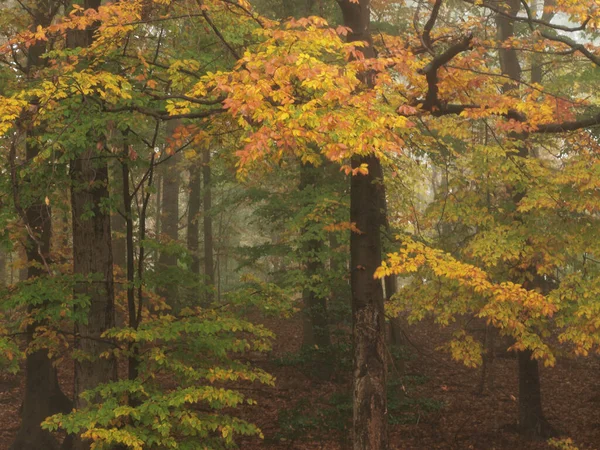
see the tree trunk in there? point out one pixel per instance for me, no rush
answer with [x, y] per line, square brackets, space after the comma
[209, 264]
[368, 320]
[193, 230]
[2, 268]
[170, 220]
[531, 416]
[391, 282]
[130, 268]
[118, 227]
[531, 419]
[43, 396]
[486, 382]
[316, 329]
[92, 257]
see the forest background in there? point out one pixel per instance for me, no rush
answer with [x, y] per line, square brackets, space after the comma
[180, 179]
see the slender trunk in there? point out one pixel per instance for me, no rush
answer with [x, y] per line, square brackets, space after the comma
[119, 237]
[119, 229]
[92, 257]
[130, 269]
[531, 418]
[167, 262]
[316, 329]
[209, 265]
[2, 268]
[118, 223]
[193, 230]
[158, 222]
[368, 319]
[43, 396]
[486, 381]
[391, 282]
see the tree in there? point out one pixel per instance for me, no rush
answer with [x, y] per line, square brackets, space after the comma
[167, 261]
[43, 395]
[92, 252]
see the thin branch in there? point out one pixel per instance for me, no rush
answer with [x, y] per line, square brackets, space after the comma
[544, 23]
[216, 30]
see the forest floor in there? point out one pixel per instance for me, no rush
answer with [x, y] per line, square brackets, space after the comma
[435, 404]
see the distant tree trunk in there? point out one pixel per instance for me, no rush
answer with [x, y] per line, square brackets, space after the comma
[170, 219]
[92, 256]
[2, 268]
[486, 381]
[43, 396]
[391, 282]
[130, 267]
[209, 264]
[316, 325]
[119, 236]
[118, 227]
[531, 418]
[158, 222]
[195, 203]
[368, 319]
[316, 316]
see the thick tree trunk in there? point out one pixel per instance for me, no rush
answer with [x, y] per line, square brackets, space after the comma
[92, 257]
[209, 264]
[170, 219]
[531, 416]
[194, 205]
[368, 320]
[43, 396]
